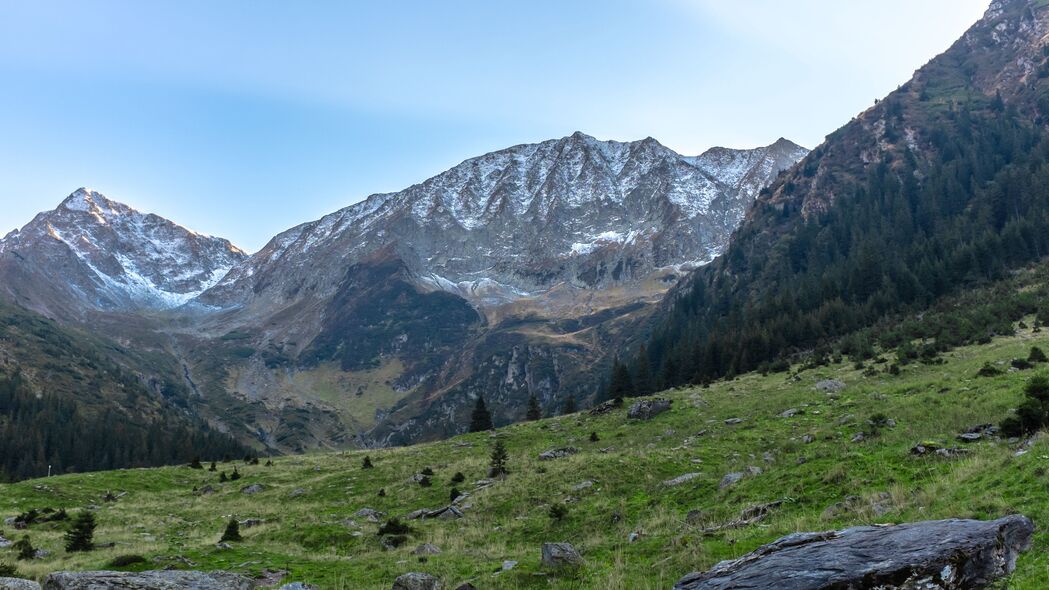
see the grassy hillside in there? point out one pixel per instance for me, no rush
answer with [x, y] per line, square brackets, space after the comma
[308, 502]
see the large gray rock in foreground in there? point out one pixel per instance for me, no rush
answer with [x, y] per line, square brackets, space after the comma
[151, 580]
[18, 584]
[416, 581]
[933, 555]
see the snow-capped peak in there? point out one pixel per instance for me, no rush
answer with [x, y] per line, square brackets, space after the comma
[116, 257]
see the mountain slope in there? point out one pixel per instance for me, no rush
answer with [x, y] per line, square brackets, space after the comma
[93, 254]
[72, 401]
[633, 530]
[558, 246]
[939, 186]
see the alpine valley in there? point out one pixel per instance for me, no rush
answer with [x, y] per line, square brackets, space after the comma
[515, 274]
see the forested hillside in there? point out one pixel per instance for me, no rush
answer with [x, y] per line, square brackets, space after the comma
[942, 186]
[73, 402]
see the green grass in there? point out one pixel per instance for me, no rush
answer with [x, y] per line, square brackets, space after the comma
[161, 518]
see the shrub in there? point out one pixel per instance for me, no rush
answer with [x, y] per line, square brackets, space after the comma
[366, 463]
[232, 532]
[558, 512]
[427, 472]
[395, 527]
[24, 548]
[458, 477]
[1033, 412]
[235, 475]
[1021, 364]
[1037, 356]
[425, 481]
[213, 467]
[223, 478]
[195, 463]
[80, 536]
[8, 571]
[382, 492]
[988, 370]
[594, 437]
[453, 494]
[126, 560]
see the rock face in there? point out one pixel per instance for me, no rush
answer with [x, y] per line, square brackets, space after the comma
[646, 409]
[416, 581]
[559, 555]
[557, 453]
[150, 580]
[18, 584]
[932, 555]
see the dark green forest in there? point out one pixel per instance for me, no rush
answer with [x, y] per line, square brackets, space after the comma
[41, 430]
[915, 228]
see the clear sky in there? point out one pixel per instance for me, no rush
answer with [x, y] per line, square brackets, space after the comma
[241, 119]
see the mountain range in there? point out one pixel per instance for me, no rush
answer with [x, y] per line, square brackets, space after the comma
[511, 275]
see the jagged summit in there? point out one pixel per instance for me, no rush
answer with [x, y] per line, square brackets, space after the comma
[95, 253]
[574, 210]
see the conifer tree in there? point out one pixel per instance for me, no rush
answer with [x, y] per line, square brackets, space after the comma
[497, 465]
[481, 418]
[232, 532]
[366, 463]
[80, 536]
[534, 412]
[569, 407]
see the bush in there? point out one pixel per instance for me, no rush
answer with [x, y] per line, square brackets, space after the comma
[558, 512]
[366, 463]
[425, 481]
[1033, 413]
[1037, 356]
[988, 370]
[24, 548]
[8, 571]
[453, 494]
[594, 437]
[80, 536]
[395, 527]
[427, 472]
[195, 463]
[126, 560]
[1021, 364]
[458, 477]
[235, 475]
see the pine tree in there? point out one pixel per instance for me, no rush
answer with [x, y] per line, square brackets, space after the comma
[480, 419]
[195, 463]
[223, 478]
[622, 385]
[366, 463]
[497, 465]
[80, 537]
[232, 532]
[24, 548]
[213, 467]
[235, 475]
[643, 382]
[534, 412]
[569, 407]
[1036, 355]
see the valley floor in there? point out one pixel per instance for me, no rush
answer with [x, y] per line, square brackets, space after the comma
[307, 504]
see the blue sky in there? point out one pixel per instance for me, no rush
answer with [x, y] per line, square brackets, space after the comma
[241, 119]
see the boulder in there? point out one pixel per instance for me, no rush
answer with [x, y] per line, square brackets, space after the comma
[830, 386]
[604, 408]
[149, 580]
[5, 543]
[559, 555]
[298, 586]
[370, 514]
[681, 479]
[936, 555]
[252, 489]
[426, 549]
[733, 421]
[557, 453]
[648, 408]
[18, 584]
[416, 581]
